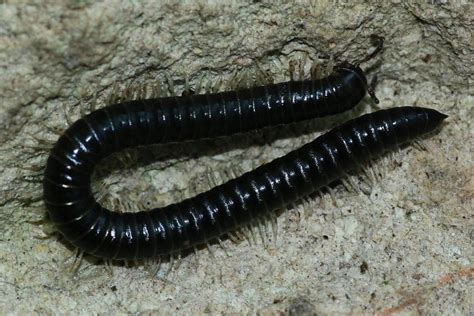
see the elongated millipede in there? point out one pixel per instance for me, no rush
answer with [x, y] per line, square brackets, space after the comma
[112, 235]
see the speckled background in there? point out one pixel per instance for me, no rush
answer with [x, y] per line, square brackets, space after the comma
[403, 246]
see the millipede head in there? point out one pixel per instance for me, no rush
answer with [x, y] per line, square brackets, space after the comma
[353, 70]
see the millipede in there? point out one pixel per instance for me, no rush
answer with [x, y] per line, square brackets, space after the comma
[239, 202]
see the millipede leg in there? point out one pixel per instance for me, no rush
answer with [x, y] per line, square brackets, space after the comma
[367, 172]
[347, 185]
[82, 108]
[287, 218]
[109, 268]
[199, 85]
[252, 233]
[378, 172]
[324, 197]
[208, 87]
[179, 260]
[32, 168]
[170, 82]
[267, 222]
[187, 88]
[301, 65]
[373, 169]
[234, 237]
[113, 94]
[420, 146]
[223, 247]
[41, 141]
[93, 103]
[274, 223]
[247, 235]
[292, 69]
[211, 251]
[170, 265]
[263, 78]
[241, 236]
[316, 72]
[143, 92]
[299, 212]
[212, 178]
[309, 207]
[77, 261]
[196, 256]
[260, 231]
[157, 89]
[158, 266]
[329, 66]
[37, 148]
[333, 196]
[53, 129]
[217, 86]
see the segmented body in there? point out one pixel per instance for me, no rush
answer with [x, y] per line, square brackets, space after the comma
[101, 232]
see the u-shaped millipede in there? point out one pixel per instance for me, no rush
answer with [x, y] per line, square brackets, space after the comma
[238, 202]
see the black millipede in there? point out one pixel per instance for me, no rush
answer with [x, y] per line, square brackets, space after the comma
[98, 231]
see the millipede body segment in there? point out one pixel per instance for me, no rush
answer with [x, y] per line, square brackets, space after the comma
[238, 202]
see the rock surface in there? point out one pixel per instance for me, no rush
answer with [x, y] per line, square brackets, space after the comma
[404, 246]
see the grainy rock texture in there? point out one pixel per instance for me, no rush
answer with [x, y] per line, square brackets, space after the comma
[404, 246]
